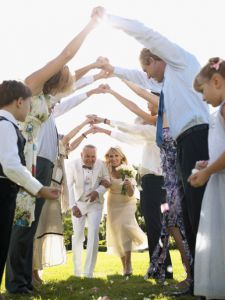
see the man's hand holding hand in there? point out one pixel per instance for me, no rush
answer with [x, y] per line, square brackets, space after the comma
[93, 196]
[76, 212]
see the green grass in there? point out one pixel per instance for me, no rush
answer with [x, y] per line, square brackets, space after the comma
[60, 284]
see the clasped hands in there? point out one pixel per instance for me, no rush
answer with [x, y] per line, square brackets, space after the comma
[199, 174]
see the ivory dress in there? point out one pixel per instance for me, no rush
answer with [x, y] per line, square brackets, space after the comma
[122, 230]
[49, 248]
[210, 244]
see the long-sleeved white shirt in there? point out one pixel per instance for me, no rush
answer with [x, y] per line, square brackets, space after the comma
[9, 157]
[143, 135]
[47, 138]
[184, 106]
[138, 77]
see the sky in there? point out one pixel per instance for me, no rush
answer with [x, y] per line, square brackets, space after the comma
[35, 31]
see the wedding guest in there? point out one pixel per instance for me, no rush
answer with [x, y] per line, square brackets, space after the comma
[15, 104]
[84, 178]
[210, 244]
[188, 117]
[49, 248]
[48, 85]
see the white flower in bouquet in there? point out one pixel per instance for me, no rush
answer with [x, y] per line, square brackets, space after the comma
[126, 171]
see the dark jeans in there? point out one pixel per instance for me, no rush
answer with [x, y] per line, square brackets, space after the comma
[20, 256]
[8, 192]
[191, 147]
[151, 198]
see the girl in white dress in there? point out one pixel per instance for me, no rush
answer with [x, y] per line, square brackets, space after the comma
[209, 269]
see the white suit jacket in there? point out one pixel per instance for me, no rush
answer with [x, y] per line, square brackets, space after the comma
[75, 180]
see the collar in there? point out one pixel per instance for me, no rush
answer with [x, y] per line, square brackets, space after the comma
[8, 116]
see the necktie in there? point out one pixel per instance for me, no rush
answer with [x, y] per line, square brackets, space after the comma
[86, 167]
[159, 125]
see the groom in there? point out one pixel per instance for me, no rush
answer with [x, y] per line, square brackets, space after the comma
[87, 181]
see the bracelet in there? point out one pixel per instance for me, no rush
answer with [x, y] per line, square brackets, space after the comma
[105, 120]
[84, 135]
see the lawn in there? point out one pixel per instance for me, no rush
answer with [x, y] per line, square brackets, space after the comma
[60, 284]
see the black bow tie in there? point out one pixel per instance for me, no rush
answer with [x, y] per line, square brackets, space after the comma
[85, 167]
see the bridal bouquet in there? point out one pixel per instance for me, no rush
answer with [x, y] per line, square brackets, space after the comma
[125, 172]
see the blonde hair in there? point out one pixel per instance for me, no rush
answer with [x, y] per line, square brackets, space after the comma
[214, 65]
[116, 150]
[145, 56]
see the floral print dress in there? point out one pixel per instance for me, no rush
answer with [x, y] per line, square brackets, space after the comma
[40, 105]
[172, 217]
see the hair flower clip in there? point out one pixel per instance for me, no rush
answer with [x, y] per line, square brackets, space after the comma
[216, 65]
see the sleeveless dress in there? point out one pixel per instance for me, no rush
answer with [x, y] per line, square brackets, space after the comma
[122, 230]
[49, 248]
[25, 203]
[210, 244]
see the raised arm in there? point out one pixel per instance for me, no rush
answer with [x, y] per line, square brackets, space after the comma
[83, 71]
[78, 140]
[157, 43]
[136, 76]
[37, 79]
[150, 97]
[132, 106]
[73, 100]
[142, 132]
[66, 139]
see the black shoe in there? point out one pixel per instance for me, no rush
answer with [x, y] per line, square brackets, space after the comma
[23, 291]
[169, 276]
[183, 292]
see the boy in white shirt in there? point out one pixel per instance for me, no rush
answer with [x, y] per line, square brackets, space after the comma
[14, 106]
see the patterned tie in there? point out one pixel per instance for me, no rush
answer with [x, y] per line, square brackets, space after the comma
[159, 125]
[85, 167]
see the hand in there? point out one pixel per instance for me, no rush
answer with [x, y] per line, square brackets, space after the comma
[102, 74]
[199, 178]
[94, 119]
[102, 89]
[104, 64]
[101, 62]
[98, 12]
[90, 130]
[105, 183]
[97, 129]
[201, 164]
[76, 212]
[50, 193]
[93, 196]
[127, 183]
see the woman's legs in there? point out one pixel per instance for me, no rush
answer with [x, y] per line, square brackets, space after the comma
[175, 232]
[128, 266]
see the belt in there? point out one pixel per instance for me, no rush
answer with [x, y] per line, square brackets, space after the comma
[190, 130]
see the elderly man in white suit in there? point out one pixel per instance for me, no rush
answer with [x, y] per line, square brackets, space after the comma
[87, 180]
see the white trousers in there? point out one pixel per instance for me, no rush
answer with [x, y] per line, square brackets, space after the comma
[93, 218]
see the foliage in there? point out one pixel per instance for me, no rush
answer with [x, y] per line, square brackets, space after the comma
[68, 230]
[60, 284]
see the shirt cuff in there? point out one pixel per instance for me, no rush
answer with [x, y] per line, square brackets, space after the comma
[33, 186]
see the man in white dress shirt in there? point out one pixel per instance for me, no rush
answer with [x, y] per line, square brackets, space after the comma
[85, 179]
[187, 114]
